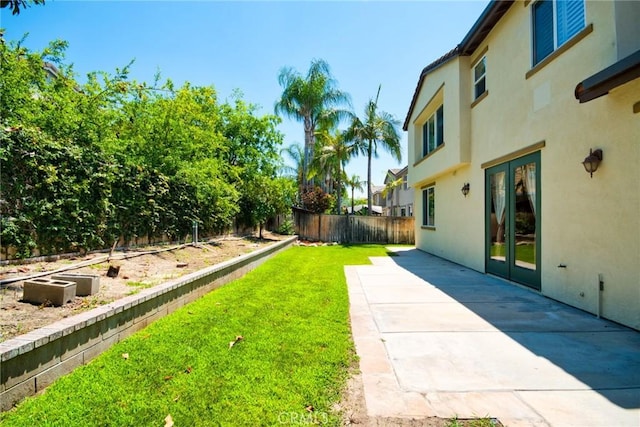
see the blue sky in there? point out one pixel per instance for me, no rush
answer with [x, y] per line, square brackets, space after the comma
[243, 45]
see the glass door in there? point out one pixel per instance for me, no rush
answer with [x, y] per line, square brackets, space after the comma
[512, 220]
[496, 220]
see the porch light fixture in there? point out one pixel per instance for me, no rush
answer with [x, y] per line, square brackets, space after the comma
[465, 189]
[592, 161]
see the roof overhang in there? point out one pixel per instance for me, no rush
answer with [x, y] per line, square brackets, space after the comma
[482, 27]
[601, 83]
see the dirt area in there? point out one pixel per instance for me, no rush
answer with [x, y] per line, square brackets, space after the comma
[137, 272]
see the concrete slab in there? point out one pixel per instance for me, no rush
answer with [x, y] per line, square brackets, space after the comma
[542, 316]
[435, 338]
[595, 408]
[506, 406]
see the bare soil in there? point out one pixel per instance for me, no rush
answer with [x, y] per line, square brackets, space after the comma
[136, 272]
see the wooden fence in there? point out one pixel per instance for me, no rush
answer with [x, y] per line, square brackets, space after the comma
[354, 228]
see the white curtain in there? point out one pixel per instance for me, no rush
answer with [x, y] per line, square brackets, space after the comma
[498, 195]
[530, 184]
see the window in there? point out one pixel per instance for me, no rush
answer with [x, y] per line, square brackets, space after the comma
[404, 182]
[429, 205]
[433, 132]
[403, 211]
[555, 22]
[479, 77]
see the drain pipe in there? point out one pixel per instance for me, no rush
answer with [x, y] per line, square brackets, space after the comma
[97, 260]
[5, 282]
[194, 237]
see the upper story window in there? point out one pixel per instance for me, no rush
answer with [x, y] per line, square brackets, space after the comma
[480, 78]
[555, 22]
[404, 182]
[433, 132]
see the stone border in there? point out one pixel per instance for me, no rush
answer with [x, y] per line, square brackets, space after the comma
[31, 362]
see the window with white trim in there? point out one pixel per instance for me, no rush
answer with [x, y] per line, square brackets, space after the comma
[428, 206]
[433, 132]
[480, 78]
[404, 182]
[554, 23]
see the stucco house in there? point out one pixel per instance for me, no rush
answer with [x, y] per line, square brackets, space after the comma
[377, 198]
[399, 196]
[501, 132]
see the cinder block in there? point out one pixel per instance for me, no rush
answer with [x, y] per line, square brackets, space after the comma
[46, 378]
[24, 366]
[12, 396]
[100, 347]
[86, 284]
[56, 292]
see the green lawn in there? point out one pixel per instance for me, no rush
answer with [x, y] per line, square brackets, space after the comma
[292, 313]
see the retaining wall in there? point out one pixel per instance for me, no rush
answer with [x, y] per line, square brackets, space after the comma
[31, 362]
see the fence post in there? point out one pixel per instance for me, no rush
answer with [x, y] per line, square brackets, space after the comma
[386, 227]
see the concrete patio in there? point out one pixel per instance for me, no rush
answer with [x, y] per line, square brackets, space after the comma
[438, 339]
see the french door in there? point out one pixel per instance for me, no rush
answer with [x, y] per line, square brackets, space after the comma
[512, 220]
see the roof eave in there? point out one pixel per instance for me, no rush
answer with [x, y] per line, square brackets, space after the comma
[444, 59]
[602, 82]
[483, 26]
[480, 29]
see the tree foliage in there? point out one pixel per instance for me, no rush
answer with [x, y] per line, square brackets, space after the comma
[16, 5]
[314, 100]
[82, 165]
[375, 129]
[316, 200]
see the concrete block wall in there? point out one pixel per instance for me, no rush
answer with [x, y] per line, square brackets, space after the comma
[31, 362]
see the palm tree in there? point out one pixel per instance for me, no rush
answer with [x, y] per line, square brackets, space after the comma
[296, 153]
[334, 154]
[354, 182]
[313, 100]
[377, 128]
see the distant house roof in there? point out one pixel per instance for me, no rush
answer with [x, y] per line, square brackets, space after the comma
[395, 173]
[357, 208]
[377, 188]
[601, 83]
[483, 26]
[51, 69]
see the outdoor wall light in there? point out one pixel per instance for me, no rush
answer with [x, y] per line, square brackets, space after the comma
[465, 189]
[592, 161]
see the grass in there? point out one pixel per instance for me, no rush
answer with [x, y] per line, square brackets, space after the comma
[290, 365]
[142, 285]
[477, 422]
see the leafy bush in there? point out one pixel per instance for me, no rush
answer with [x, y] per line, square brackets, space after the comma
[316, 200]
[85, 165]
[286, 228]
[54, 195]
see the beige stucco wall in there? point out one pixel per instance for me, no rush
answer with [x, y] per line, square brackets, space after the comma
[454, 237]
[591, 225]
